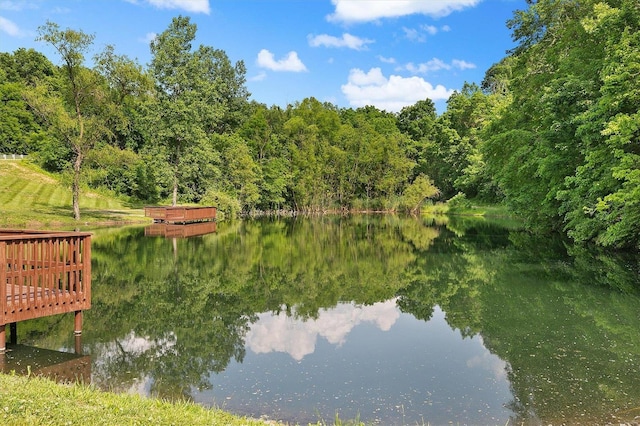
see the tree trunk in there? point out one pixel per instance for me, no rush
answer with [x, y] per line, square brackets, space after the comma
[174, 200]
[75, 187]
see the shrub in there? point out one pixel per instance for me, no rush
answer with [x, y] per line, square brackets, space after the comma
[459, 201]
[228, 207]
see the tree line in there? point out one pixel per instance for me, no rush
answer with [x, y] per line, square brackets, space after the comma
[553, 130]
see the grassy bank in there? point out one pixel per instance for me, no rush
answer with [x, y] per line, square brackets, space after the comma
[31, 198]
[37, 401]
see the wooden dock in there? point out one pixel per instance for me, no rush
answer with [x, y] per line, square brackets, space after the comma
[180, 214]
[43, 273]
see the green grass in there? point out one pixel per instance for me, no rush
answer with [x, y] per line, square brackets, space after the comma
[31, 400]
[31, 198]
[37, 401]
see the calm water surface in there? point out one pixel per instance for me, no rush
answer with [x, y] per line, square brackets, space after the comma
[391, 321]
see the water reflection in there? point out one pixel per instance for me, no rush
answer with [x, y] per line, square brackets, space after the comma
[60, 366]
[389, 370]
[283, 333]
[186, 230]
[386, 319]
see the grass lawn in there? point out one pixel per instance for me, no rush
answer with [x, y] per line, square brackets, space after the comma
[36, 401]
[30, 198]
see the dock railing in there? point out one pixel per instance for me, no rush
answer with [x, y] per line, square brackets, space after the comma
[43, 273]
[180, 214]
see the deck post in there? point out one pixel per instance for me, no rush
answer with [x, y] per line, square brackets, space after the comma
[13, 327]
[77, 330]
[3, 336]
[78, 345]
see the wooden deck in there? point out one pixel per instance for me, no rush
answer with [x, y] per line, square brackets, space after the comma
[180, 231]
[180, 214]
[43, 273]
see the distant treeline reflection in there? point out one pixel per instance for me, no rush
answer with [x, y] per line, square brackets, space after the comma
[564, 318]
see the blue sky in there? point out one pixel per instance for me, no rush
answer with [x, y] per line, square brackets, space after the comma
[352, 53]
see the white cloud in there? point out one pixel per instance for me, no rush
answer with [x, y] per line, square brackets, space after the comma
[373, 78]
[430, 29]
[436, 64]
[259, 77]
[463, 65]
[371, 10]
[61, 10]
[17, 6]
[148, 38]
[195, 6]
[290, 63]
[386, 60]
[9, 27]
[445, 28]
[280, 333]
[347, 40]
[413, 34]
[420, 34]
[391, 94]
[489, 362]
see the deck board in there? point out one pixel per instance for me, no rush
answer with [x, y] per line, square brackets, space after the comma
[32, 293]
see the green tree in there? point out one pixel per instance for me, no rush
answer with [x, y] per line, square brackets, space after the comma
[531, 145]
[263, 133]
[195, 90]
[20, 132]
[415, 194]
[602, 201]
[468, 112]
[25, 66]
[380, 153]
[129, 89]
[74, 115]
[242, 174]
[310, 130]
[419, 122]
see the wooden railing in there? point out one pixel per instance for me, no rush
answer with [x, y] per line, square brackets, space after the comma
[181, 214]
[42, 274]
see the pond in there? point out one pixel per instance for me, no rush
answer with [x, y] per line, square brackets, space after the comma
[388, 320]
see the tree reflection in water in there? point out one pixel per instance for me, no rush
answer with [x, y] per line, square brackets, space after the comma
[563, 319]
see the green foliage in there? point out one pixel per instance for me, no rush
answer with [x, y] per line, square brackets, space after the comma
[242, 175]
[25, 66]
[228, 207]
[192, 97]
[73, 115]
[602, 202]
[552, 130]
[19, 131]
[415, 194]
[563, 152]
[128, 88]
[121, 171]
[459, 201]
